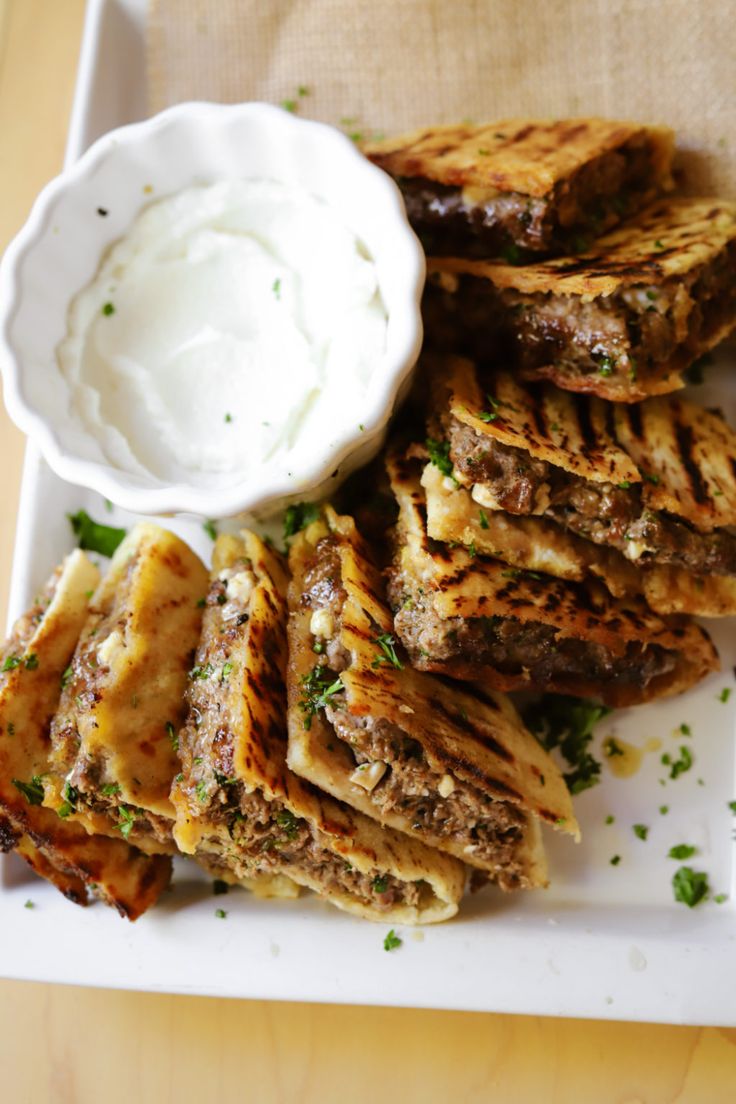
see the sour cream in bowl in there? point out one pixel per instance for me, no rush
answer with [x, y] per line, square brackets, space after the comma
[243, 316]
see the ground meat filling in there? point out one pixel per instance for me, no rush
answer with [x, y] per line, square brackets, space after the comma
[450, 222]
[600, 512]
[632, 335]
[514, 648]
[489, 831]
[268, 838]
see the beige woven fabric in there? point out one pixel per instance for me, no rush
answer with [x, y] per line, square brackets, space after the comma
[382, 66]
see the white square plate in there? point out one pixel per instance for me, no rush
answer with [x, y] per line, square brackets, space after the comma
[603, 941]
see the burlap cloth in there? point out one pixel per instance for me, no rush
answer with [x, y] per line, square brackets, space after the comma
[381, 66]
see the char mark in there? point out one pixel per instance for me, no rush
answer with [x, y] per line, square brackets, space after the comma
[685, 443]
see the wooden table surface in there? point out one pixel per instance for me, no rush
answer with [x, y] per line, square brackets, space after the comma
[71, 1046]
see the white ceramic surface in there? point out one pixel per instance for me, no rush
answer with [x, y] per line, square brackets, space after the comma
[604, 941]
[59, 250]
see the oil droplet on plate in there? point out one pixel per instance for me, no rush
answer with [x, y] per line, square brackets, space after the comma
[623, 758]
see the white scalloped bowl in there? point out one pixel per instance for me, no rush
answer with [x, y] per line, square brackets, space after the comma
[59, 250]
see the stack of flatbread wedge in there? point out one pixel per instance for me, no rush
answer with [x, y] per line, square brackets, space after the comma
[561, 512]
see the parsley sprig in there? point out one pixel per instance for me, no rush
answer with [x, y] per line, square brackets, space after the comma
[567, 723]
[93, 537]
[319, 687]
[388, 657]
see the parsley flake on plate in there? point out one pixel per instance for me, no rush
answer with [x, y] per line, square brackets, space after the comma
[690, 886]
[681, 851]
[392, 941]
[641, 831]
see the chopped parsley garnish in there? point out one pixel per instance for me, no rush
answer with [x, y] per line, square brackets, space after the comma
[611, 747]
[658, 244]
[210, 529]
[685, 730]
[380, 883]
[71, 797]
[108, 309]
[387, 657]
[111, 788]
[664, 809]
[173, 736]
[32, 791]
[318, 647]
[94, 537]
[289, 105]
[228, 418]
[128, 818]
[610, 819]
[289, 823]
[29, 904]
[567, 723]
[201, 790]
[276, 287]
[439, 455]
[724, 695]
[11, 662]
[220, 914]
[681, 851]
[651, 477]
[66, 678]
[225, 673]
[32, 662]
[615, 860]
[392, 941]
[202, 672]
[690, 886]
[483, 519]
[720, 898]
[298, 516]
[651, 295]
[641, 831]
[490, 416]
[732, 807]
[605, 366]
[483, 152]
[320, 685]
[678, 766]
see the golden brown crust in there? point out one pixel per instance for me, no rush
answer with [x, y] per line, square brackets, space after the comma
[525, 156]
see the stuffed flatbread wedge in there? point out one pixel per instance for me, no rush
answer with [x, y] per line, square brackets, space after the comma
[463, 615]
[113, 756]
[617, 491]
[524, 185]
[621, 320]
[32, 665]
[237, 799]
[452, 768]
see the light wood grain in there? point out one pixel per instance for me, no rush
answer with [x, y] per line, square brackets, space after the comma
[74, 1046]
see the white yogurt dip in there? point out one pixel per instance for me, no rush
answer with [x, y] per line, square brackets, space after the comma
[232, 327]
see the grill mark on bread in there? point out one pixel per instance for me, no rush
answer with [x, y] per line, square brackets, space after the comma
[684, 435]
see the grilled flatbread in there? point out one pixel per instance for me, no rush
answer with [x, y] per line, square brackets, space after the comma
[621, 320]
[463, 615]
[113, 757]
[572, 486]
[32, 664]
[524, 185]
[237, 799]
[447, 766]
